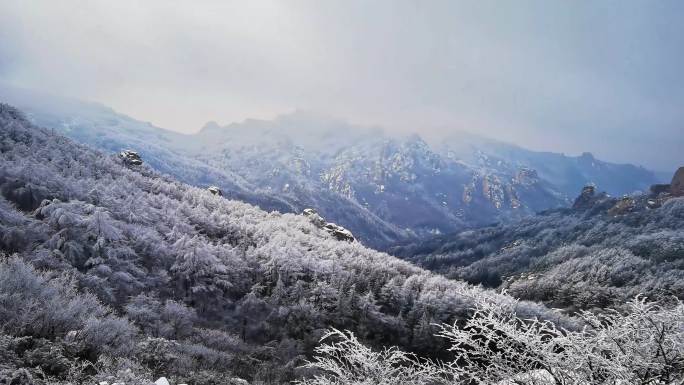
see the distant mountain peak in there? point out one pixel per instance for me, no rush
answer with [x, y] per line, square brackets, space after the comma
[210, 126]
[382, 187]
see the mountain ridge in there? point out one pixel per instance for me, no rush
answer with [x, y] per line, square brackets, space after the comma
[359, 177]
[119, 265]
[595, 254]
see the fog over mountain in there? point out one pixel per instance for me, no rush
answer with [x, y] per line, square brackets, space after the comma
[341, 192]
[384, 187]
[111, 273]
[567, 77]
[612, 248]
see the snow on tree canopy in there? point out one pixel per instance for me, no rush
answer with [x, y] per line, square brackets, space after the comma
[247, 290]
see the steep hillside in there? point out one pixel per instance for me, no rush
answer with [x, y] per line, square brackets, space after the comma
[598, 253]
[179, 155]
[385, 189]
[401, 181]
[143, 276]
[102, 128]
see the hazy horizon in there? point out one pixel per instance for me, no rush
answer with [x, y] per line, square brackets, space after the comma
[562, 77]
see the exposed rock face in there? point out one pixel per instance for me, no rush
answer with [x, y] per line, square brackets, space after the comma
[657, 189]
[130, 157]
[492, 190]
[623, 206]
[498, 191]
[586, 197]
[677, 184]
[215, 190]
[314, 217]
[526, 177]
[337, 231]
[660, 193]
[589, 198]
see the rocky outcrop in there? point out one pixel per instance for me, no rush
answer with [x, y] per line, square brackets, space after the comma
[130, 157]
[658, 189]
[625, 205]
[657, 196]
[526, 177]
[337, 231]
[677, 184]
[314, 217]
[215, 190]
[498, 192]
[660, 193]
[493, 190]
[586, 197]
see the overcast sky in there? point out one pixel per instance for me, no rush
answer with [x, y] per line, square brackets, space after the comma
[567, 76]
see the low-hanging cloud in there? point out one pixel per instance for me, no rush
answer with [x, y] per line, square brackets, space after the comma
[562, 76]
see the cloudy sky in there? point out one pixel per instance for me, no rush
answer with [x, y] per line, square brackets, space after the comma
[568, 76]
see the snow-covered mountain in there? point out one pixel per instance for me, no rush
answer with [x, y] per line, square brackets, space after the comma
[383, 188]
[113, 273]
[139, 276]
[568, 174]
[402, 181]
[601, 252]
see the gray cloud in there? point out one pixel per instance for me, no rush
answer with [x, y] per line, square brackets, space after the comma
[563, 76]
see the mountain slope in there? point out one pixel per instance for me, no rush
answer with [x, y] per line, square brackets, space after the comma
[599, 253]
[385, 189]
[179, 155]
[568, 174]
[191, 285]
[401, 181]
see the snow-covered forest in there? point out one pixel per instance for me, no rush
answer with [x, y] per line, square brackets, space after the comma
[113, 272]
[384, 187]
[591, 256]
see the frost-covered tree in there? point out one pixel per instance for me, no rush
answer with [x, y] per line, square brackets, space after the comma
[572, 259]
[641, 344]
[343, 360]
[223, 288]
[201, 275]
